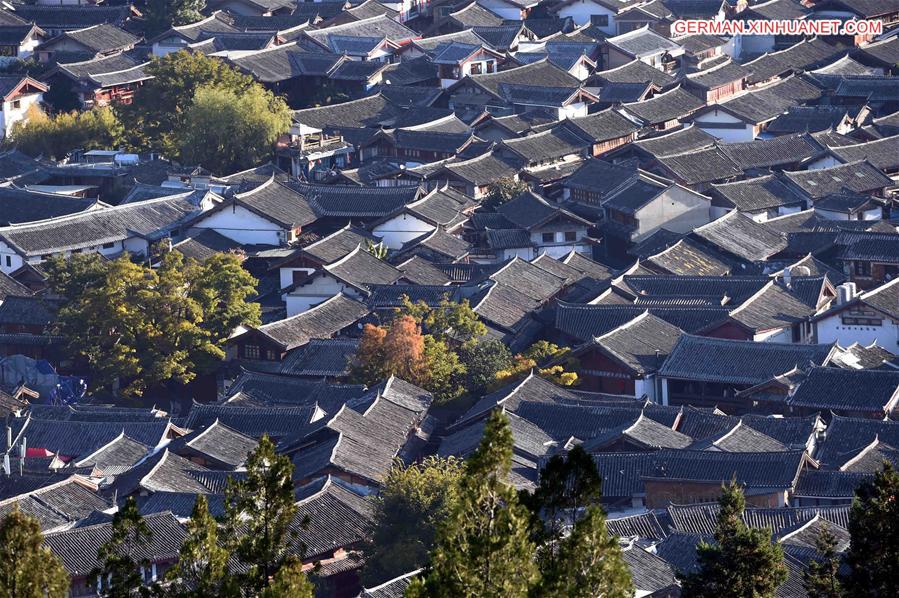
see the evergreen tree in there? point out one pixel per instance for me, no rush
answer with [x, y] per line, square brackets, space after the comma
[28, 569]
[140, 327]
[449, 320]
[202, 568]
[157, 116]
[411, 503]
[162, 14]
[482, 360]
[228, 130]
[259, 511]
[568, 484]
[482, 547]
[290, 581]
[821, 578]
[873, 555]
[743, 562]
[503, 190]
[119, 573]
[587, 562]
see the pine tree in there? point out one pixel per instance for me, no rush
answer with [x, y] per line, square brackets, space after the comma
[290, 581]
[821, 578]
[28, 569]
[119, 573]
[873, 555]
[587, 562]
[482, 548]
[743, 562]
[202, 568]
[259, 511]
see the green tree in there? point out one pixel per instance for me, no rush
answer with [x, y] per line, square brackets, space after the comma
[443, 374]
[537, 354]
[139, 327]
[588, 561]
[411, 503]
[873, 555]
[503, 190]
[159, 15]
[119, 571]
[568, 484]
[157, 115]
[56, 136]
[743, 562]
[259, 511]
[482, 547]
[821, 579]
[482, 360]
[228, 130]
[27, 568]
[202, 568]
[290, 581]
[449, 320]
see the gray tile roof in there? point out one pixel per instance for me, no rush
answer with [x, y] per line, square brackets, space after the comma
[77, 548]
[670, 105]
[860, 176]
[642, 344]
[688, 258]
[757, 194]
[102, 38]
[738, 362]
[837, 389]
[321, 358]
[583, 322]
[150, 219]
[766, 104]
[322, 321]
[252, 421]
[224, 447]
[741, 236]
[682, 140]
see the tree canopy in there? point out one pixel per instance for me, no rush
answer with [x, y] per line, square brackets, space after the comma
[228, 130]
[120, 563]
[56, 136]
[483, 548]
[743, 562]
[159, 15]
[873, 555]
[157, 115]
[27, 568]
[411, 503]
[137, 327]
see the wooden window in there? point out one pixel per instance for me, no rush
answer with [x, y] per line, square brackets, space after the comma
[862, 268]
[251, 351]
[570, 235]
[548, 237]
[600, 20]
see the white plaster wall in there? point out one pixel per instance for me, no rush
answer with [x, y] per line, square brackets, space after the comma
[322, 288]
[10, 116]
[678, 209]
[740, 131]
[582, 10]
[503, 9]
[241, 225]
[401, 229]
[832, 329]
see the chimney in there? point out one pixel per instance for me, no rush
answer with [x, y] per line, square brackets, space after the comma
[6, 467]
[846, 292]
[788, 277]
